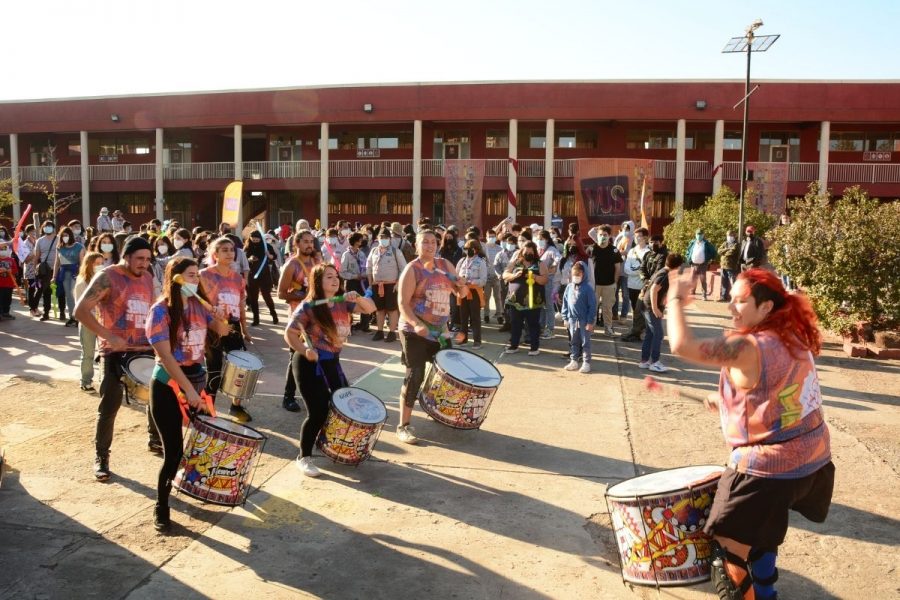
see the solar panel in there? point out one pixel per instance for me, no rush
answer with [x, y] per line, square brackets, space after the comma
[761, 43]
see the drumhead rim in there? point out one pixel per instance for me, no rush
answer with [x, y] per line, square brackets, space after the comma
[212, 422]
[256, 356]
[333, 406]
[463, 350]
[610, 494]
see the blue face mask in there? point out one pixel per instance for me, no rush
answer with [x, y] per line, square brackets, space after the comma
[384, 242]
[510, 247]
[188, 289]
[542, 244]
[699, 236]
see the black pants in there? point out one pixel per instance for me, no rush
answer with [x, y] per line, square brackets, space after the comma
[417, 353]
[531, 317]
[215, 356]
[290, 381]
[45, 293]
[167, 419]
[355, 285]
[111, 400]
[470, 315]
[33, 293]
[638, 323]
[5, 300]
[316, 389]
[255, 287]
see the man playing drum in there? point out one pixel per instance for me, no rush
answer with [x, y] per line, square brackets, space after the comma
[770, 406]
[317, 367]
[226, 290]
[122, 295]
[424, 289]
[292, 288]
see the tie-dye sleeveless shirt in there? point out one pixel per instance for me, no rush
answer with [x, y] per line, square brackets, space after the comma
[125, 309]
[431, 297]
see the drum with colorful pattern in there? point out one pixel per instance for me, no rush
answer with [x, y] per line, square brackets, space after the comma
[354, 422]
[459, 388]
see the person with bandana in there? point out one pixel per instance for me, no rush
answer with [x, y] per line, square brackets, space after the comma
[526, 276]
[260, 257]
[317, 368]
[121, 296]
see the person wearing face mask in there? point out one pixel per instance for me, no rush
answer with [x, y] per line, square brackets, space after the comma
[753, 250]
[92, 263]
[769, 404]
[492, 286]
[729, 264]
[501, 260]
[4, 234]
[25, 253]
[607, 267]
[526, 276]
[474, 269]
[549, 255]
[105, 244]
[176, 327]
[383, 267]
[260, 257]
[699, 254]
[44, 259]
[65, 269]
[104, 223]
[77, 231]
[631, 266]
[579, 309]
[162, 254]
[353, 270]
[181, 244]
[653, 261]
[9, 270]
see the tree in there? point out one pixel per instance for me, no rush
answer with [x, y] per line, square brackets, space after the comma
[842, 253]
[56, 203]
[717, 215]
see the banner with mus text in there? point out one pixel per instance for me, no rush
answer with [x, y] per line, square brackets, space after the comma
[231, 203]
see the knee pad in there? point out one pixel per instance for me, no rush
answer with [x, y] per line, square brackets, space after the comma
[765, 574]
[726, 588]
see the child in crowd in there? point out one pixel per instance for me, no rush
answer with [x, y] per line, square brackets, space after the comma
[9, 269]
[579, 306]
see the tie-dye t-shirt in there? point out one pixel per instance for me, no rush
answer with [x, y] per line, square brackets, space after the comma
[227, 291]
[777, 429]
[125, 309]
[298, 274]
[431, 297]
[189, 348]
[341, 313]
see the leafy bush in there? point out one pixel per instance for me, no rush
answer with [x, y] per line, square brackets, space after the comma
[843, 254]
[715, 218]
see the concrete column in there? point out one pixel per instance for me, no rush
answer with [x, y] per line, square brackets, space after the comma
[417, 172]
[323, 176]
[158, 174]
[14, 168]
[679, 168]
[550, 136]
[239, 171]
[85, 180]
[512, 177]
[718, 154]
[824, 149]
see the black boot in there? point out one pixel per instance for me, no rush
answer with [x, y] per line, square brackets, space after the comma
[161, 521]
[274, 317]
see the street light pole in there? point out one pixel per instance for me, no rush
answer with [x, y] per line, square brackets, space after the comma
[749, 43]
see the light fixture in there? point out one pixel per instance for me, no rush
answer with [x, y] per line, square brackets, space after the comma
[368, 108]
[114, 117]
[700, 105]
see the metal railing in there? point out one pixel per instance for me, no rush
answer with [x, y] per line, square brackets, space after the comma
[61, 172]
[122, 172]
[863, 173]
[531, 167]
[5, 172]
[282, 169]
[370, 168]
[496, 167]
[664, 169]
[432, 167]
[214, 170]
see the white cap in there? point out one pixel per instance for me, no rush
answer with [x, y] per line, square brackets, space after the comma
[303, 224]
[535, 227]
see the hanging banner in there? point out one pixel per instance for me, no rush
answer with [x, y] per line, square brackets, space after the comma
[231, 203]
[767, 188]
[463, 184]
[612, 190]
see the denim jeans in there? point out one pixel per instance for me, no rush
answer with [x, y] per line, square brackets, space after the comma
[492, 289]
[88, 348]
[652, 338]
[580, 342]
[727, 279]
[622, 288]
[531, 316]
[548, 318]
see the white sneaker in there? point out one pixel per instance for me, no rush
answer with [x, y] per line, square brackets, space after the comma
[547, 335]
[511, 351]
[533, 352]
[644, 364]
[307, 467]
[585, 368]
[608, 331]
[659, 367]
[572, 366]
[406, 434]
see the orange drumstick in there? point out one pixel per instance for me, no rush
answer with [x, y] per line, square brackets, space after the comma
[652, 385]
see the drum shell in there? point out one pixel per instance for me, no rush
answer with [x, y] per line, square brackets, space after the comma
[218, 463]
[346, 440]
[137, 390]
[660, 536]
[455, 403]
[239, 382]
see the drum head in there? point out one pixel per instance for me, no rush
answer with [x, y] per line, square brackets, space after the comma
[664, 482]
[359, 405]
[141, 368]
[245, 360]
[231, 427]
[468, 367]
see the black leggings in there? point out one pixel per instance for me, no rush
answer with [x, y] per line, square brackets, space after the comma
[470, 316]
[254, 288]
[316, 393]
[167, 417]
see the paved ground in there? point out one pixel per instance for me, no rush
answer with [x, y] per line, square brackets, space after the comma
[515, 510]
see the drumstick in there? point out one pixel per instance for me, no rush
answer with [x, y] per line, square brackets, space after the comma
[651, 385]
[182, 401]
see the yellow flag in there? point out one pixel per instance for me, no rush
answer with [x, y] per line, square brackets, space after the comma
[318, 224]
[231, 203]
[643, 212]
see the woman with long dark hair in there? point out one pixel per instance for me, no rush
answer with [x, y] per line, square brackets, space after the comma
[770, 407]
[69, 255]
[317, 367]
[176, 328]
[105, 244]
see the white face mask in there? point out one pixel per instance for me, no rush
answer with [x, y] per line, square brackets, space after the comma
[345, 232]
[65, 239]
[730, 239]
[104, 214]
[492, 240]
[178, 243]
[48, 230]
[384, 242]
[332, 241]
[106, 247]
[460, 243]
[510, 247]
[188, 289]
[577, 278]
[76, 230]
[162, 249]
[5, 253]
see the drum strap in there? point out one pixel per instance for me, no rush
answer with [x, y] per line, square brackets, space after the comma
[726, 588]
[320, 371]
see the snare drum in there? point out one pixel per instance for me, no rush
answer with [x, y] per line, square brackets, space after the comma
[658, 522]
[219, 459]
[459, 388]
[240, 373]
[355, 419]
[136, 375]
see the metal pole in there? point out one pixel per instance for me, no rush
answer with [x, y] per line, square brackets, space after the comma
[743, 183]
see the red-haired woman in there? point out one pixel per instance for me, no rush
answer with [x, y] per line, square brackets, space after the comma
[770, 406]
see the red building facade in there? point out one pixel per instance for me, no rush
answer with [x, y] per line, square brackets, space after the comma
[369, 153]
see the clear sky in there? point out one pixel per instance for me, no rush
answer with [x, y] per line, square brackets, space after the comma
[65, 48]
